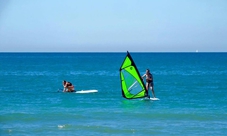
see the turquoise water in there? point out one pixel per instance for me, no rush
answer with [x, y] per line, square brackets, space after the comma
[191, 87]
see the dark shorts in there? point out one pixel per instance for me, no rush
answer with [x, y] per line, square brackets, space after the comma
[151, 83]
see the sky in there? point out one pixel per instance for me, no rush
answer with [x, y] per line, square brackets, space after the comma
[113, 25]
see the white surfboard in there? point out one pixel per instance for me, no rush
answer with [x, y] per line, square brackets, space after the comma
[79, 91]
[86, 91]
[153, 99]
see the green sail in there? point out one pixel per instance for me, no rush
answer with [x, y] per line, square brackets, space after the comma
[132, 85]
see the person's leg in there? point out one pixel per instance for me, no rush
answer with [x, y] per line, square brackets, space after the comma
[64, 89]
[152, 89]
[71, 88]
[147, 87]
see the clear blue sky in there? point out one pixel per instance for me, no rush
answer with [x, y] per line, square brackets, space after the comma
[113, 25]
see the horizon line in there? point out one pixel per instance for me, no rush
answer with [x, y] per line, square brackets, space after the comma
[111, 52]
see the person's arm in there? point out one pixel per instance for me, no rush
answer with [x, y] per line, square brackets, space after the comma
[151, 77]
[143, 75]
[64, 84]
[64, 89]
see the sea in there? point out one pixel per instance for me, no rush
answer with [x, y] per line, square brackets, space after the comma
[192, 88]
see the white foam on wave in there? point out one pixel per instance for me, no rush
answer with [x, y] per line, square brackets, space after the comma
[61, 126]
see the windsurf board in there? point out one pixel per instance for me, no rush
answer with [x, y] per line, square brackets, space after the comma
[153, 99]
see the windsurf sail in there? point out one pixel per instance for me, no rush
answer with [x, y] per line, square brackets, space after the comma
[132, 85]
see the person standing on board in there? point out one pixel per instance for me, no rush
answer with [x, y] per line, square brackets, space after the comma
[68, 87]
[149, 82]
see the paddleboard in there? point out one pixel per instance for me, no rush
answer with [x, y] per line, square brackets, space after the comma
[86, 91]
[80, 91]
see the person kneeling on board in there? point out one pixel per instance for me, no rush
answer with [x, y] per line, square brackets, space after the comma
[68, 87]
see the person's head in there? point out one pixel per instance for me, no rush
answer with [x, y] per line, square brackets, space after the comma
[64, 81]
[147, 71]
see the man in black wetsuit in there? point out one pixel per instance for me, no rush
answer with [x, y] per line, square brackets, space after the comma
[149, 81]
